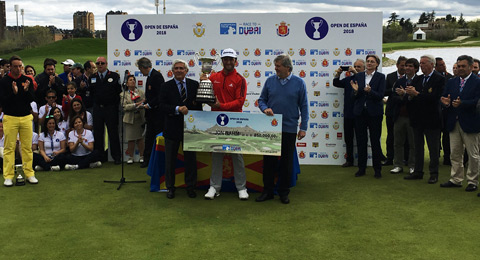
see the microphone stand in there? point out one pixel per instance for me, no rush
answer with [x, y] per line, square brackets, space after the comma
[122, 113]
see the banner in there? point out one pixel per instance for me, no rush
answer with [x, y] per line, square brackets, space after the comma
[232, 132]
[318, 43]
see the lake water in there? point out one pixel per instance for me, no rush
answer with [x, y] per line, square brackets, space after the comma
[449, 55]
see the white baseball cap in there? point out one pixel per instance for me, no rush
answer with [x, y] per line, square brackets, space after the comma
[68, 62]
[229, 53]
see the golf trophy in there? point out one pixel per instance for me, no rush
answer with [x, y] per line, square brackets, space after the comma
[205, 90]
[20, 180]
[316, 26]
[131, 27]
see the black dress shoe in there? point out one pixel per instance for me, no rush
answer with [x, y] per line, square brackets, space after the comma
[284, 199]
[171, 194]
[433, 179]
[117, 162]
[413, 176]
[347, 164]
[450, 184]
[378, 175]
[471, 187]
[360, 173]
[264, 197]
[191, 194]
[387, 162]
[144, 164]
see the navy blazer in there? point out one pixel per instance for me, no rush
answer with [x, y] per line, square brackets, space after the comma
[170, 99]
[466, 114]
[424, 109]
[152, 93]
[373, 100]
[348, 95]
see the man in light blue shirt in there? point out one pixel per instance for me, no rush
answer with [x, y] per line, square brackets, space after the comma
[285, 94]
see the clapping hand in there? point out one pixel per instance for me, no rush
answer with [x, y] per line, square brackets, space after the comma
[445, 100]
[457, 102]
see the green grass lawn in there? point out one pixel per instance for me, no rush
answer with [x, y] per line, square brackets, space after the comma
[475, 42]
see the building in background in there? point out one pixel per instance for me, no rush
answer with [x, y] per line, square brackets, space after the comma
[84, 20]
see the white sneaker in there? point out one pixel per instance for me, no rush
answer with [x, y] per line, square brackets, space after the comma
[141, 159]
[96, 164]
[54, 168]
[71, 167]
[130, 160]
[242, 194]
[8, 183]
[32, 180]
[211, 194]
[38, 168]
[412, 170]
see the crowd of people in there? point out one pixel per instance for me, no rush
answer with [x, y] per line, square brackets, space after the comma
[435, 106]
[54, 122]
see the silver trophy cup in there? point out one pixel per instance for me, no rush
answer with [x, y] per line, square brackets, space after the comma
[205, 92]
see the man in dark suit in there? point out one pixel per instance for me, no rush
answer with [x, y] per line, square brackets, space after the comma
[441, 68]
[460, 99]
[368, 90]
[425, 117]
[389, 117]
[105, 88]
[177, 97]
[348, 116]
[48, 80]
[154, 117]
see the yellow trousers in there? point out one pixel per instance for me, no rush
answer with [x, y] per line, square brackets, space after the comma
[13, 126]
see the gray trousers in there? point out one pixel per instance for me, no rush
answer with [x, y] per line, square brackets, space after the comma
[238, 171]
[403, 131]
[460, 140]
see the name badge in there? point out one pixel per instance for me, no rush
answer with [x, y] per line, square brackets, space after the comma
[110, 80]
[94, 80]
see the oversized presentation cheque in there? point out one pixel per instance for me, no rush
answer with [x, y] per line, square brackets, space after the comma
[232, 132]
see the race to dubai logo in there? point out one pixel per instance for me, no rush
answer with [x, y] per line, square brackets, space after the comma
[282, 29]
[116, 53]
[199, 29]
[258, 52]
[127, 53]
[159, 52]
[290, 52]
[202, 52]
[302, 52]
[246, 52]
[132, 30]
[246, 74]
[316, 28]
[170, 52]
[336, 52]
[313, 63]
[268, 63]
[191, 119]
[348, 52]
[274, 122]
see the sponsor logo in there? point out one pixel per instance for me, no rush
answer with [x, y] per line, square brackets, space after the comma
[290, 52]
[335, 155]
[336, 104]
[301, 144]
[348, 52]
[246, 52]
[274, 122]
[257, 52]
[313, 63]
[228, 28]
[336, 52]
[325, 63]
[252, 63]
[169, 52]
[185, 52]
[327, 84]
[246, 103]
[327, 136]
[313, 114]
[275, 52]
[258, 74]
[330, 145]
[170, 74]
[249, 28]
[299, 62]
[319, 74]
[316, 93]
[316, 28]
[163, 62]
[191, 63]
[122, 63]
[315, 144]
[339, 136]
[116, 53]
[336, 114]
[314, 83]
[313, 135]
[282, 29]
[256, 103]
[222, 120]
[259, 84]
[127, 53]
[302, 74]
[132, 30]
[202, 52]
[198, 29]
[268, 63]
[213, 52]
[302, 52]
[268, 73]
[191, 119]
[246, 74]
[301, 155]
[159, 52]
[324, 114]
[336, 125]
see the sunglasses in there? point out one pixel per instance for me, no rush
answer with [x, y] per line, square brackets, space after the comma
[49, 116]
[51, 97]
[100, 63]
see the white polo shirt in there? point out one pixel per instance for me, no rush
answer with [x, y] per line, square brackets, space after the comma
[51, 143]
[41, 111]
[87, 138]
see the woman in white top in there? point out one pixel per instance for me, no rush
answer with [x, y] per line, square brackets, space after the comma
[80, 142]
[78, 109]
[2, 139]
[53, 145]
[61, 123]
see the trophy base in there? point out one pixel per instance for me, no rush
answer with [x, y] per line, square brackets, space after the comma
[20, 183]
[205, 100]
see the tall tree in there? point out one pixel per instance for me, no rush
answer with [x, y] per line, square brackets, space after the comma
[393, 18]
[423, 18]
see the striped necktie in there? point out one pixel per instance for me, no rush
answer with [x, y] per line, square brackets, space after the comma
[462, 84]
[183, 92]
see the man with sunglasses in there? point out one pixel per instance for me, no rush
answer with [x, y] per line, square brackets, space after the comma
[105, 88]
[49, 80]
[16, 94]
[51, 103]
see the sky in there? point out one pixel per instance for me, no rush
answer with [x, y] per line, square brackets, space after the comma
[60, 13]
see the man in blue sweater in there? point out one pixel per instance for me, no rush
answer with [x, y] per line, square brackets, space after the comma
[285, 94]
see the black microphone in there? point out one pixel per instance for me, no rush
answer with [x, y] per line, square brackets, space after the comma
[125, 79]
